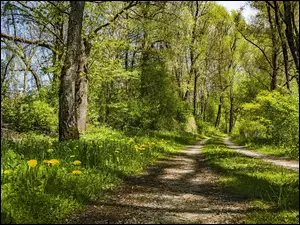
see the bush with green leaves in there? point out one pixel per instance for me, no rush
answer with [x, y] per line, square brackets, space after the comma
[29, 114]
[273, 117]
[207, 129]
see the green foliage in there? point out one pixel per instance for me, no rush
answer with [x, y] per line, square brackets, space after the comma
[29, 115]
[272, 117]
[207, 129]
[47, 192]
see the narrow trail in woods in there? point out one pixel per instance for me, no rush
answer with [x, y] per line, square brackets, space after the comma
[289, 164]
[180, 189]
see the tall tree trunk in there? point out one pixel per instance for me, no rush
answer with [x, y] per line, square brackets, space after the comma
[231, 112]
[217, 123]
[283, 45]
[289, 33]
[274, 52]
[68, 129]
[25, 81]
[82, 86]
[195, 93]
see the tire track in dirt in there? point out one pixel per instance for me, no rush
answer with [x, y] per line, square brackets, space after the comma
[180, 189]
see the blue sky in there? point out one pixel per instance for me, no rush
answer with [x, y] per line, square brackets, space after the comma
[247, 12]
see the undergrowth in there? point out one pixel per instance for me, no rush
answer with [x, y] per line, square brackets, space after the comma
[43, 180]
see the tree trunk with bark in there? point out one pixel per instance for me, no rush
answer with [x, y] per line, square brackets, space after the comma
[288, 15]
[283, 45]
[231, 112]
[218, 119]
[274, 51]
[82, 86]
[68, 129]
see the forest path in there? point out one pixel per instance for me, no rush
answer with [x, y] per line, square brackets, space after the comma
[289, 164]
[180, 189]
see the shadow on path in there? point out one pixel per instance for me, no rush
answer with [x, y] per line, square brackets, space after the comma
[181, 189]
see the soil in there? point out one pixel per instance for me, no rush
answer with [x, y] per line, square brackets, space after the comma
[289, 164]
[181, 189]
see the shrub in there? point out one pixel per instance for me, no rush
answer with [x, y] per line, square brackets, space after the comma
[35, 115]
[272, 116]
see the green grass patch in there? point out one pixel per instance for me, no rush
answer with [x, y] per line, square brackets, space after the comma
[70, 174]
[272, 190]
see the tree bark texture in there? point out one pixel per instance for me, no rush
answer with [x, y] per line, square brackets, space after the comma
[274, 51]
[283, 45]
[217, 123]
[68, 129]
[82, 86]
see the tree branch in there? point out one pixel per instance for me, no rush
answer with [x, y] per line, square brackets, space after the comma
[94, 33]
[6, 68]
[263, 52]
[23, 40]
[59, 9]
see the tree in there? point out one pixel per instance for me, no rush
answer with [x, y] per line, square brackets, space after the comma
[68, 129]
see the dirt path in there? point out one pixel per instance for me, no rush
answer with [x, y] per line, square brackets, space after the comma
[181, 189]
[289, 164]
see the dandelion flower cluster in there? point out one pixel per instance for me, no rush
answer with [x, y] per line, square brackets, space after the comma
[6, 172]
[76, 172]
[139, 148]
[77, 162]
[52, 162]
[32, 163]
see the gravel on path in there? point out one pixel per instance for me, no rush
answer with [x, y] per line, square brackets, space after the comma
[180, 189]
[289, 164]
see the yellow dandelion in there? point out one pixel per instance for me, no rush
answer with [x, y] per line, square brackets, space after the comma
[32, 163]
[46, 161]
[77, 162]
[76, 172]
[53, 162]
[6, 172]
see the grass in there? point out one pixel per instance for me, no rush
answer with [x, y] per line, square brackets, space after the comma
[273, 191]
[49, 192]
[286, 152]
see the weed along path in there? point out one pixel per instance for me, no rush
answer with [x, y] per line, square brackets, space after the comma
[291, 164]
[180, 189]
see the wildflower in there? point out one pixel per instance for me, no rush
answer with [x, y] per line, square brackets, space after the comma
[46, 161]
[32, 163]
[77, 162]
[6, 172]
[76, 172]
[54, 162]
[139, 148]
